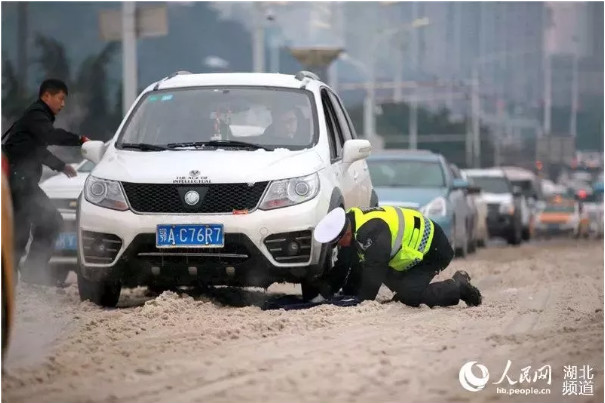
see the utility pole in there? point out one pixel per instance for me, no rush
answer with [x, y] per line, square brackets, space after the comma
[573, 128]
[413, 121]
[398, 90]
[129, 55]
[476, 116]
[258, 40]
[547, 92]
[22, 46]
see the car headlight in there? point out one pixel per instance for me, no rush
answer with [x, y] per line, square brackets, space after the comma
[288, 192]
[507, 208]
[435, 208]
[105, 193]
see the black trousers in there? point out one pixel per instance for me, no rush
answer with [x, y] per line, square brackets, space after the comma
[413, 286]
[35, 215]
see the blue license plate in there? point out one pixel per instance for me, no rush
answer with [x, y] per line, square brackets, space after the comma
[189, 236]
[66, 241]
[554, 227]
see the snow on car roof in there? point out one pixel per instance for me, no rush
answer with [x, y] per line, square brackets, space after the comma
[495, 172]
[221, 79]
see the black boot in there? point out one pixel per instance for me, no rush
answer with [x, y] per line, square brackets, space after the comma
[468, 293]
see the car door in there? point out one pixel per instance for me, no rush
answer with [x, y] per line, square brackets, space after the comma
[358, 170]
[458, 200]
[343, 177]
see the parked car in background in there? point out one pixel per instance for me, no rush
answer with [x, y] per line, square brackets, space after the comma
[475, 194]
[503, 203]
[592, 208]
[64, 193]
[422, 180]
[528, 183]
[561, 216]
[178, 199]
[473, 212]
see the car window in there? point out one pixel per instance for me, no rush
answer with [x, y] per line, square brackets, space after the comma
[491, 184]
[86, 167]
[273, 117]
[526, 186]
[334, 135]
[559, 208]
[402, 173]
[455, 172]
[342, 119]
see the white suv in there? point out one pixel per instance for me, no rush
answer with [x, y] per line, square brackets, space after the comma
[218, 179]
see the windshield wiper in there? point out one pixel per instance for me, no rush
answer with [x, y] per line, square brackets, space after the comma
[187, 144]
[219, 143]
[143, 146]
[236, 143]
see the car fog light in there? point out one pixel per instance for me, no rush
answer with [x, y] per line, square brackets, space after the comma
[293, 248]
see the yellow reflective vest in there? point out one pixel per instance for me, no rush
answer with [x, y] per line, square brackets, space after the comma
[411, 233]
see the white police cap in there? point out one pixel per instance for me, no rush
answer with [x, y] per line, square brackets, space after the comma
[331, 226]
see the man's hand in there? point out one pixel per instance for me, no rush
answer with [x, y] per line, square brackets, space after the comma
[69, 171]
[84, 139]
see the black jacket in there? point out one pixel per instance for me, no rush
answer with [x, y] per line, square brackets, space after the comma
[362, 277]
[25, 145]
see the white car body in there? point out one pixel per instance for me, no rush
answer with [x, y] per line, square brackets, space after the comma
[343, 182]
[64, 192]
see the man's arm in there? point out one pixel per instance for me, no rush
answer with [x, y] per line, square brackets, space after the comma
[52, 161]
[338, 274]
[374, 241]
[46, 135]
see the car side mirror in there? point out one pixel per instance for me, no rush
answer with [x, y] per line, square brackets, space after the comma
[473, 190]
[459, 184]
[355, 150]
[93, 150]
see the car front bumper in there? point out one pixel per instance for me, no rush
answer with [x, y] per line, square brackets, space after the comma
[253, 253]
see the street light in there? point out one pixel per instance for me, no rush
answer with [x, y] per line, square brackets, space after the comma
[370, 128]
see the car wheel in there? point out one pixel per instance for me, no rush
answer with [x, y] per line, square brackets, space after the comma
[526, 234]
[103, 292]
[462, 251]
[309, 287]
[515, 237]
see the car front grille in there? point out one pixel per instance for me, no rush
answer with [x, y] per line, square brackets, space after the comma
[493, 209]
[213, 198]
[237, 249]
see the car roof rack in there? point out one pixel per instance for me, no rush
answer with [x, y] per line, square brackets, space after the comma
[301, 75]
[176, 73]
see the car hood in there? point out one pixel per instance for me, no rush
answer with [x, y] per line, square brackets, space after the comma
[62, 187]
[413, 197]
[205, 166]
[496, 198]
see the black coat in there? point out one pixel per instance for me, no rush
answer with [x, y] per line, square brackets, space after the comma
[25, 145]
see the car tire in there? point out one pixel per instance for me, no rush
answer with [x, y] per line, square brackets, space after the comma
[526, 234]
[515, 237]
[105, 293]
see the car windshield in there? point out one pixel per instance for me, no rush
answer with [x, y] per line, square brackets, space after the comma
[267, 117]
[86, 167]
[559, 208]
[406, 173]
[526, 186]
[491, 184]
